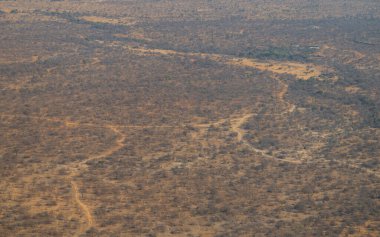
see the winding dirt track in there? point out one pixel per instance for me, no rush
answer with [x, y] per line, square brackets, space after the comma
[84, 207]
[119, 143]
[281, 97]
[237, 123]
[236, 127]
[77, 167]
[300, 71]
[82, 165]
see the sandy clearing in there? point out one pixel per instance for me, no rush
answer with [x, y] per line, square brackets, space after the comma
[301, 71]
[107, 20]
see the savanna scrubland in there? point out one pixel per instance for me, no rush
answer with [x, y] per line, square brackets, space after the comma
[189, 118]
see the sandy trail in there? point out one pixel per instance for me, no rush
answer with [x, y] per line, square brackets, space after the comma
[281, 97]
[85, 209]
[302, 71]
[236, 125]
[77, 167]
[119, 143]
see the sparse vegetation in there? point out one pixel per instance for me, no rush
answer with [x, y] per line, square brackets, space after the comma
[189, 118]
